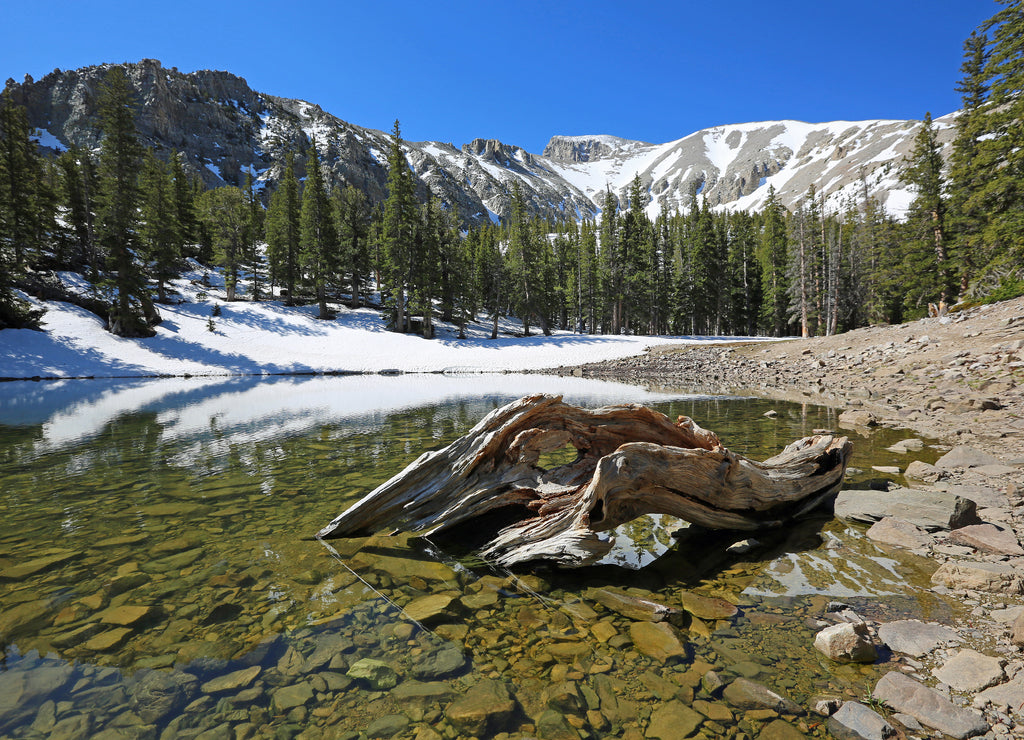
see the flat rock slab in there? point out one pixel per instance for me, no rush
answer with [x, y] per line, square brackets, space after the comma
[987, 538]
[971, 671]
[430, 608]
[915, 638]
[899, 533]
[487, 707]
[234, 681]
[659, 640]
[30, 567]
[929, 510]
[1009, 695]
[928, 706]
[854, 721]
[704, 607]
[920, 470]
[673, 720]
[746, 694]
[979, 576]
[963, 456]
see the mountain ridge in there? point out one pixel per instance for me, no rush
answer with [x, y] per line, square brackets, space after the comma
[226, 129]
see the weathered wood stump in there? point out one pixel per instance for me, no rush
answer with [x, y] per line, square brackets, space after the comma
[630, 461]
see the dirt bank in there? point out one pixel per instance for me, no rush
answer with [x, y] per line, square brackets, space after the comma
[959, 378]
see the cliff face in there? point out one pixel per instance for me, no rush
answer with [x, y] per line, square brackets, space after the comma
[225, 129]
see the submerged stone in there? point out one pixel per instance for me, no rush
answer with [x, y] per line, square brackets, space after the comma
[440, 663]
[233, 681]
[659, 640]
[387, 726]
[430, 608]
[705, 607]
[378, 674]
[107, 640]
[746, 694]
[22, 571]
[292, 695]
[487, 707]
[126, 614]
[673, 720]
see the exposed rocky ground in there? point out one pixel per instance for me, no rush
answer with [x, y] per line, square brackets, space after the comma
[958, 379]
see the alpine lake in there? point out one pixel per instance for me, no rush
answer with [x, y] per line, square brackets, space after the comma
[160, 576]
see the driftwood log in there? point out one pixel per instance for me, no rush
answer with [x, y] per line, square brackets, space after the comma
[630, 461]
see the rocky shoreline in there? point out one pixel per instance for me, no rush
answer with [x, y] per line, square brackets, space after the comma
[958, 379]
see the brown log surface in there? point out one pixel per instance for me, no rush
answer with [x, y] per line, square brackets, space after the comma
[630, 461]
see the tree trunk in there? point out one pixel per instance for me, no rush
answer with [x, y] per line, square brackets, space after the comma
[630, 461]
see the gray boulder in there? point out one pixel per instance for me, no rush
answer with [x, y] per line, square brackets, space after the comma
[929, 510]
[847, 643]
[899, 533]
[970, 671]
[928, 706]
[963, 456]
[1000, 578]
[915, 638]
[854, 721]
[988, 538]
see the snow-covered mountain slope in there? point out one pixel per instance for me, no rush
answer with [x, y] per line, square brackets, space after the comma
[734, 166]
[226, 130]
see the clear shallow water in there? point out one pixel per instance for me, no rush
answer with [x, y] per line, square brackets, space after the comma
[158, 575]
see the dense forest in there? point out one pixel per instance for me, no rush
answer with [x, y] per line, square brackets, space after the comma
[128, 220]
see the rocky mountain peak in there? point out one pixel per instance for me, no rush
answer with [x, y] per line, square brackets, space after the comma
[588, 148]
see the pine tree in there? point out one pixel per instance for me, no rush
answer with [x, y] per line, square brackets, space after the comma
[772, 255]
[354, 216]
[283, 229]
[159, 230]
[132, 313]
[21, 175]
[78, 179]
[254, 236]
[399, 229]
[225, 214]
[925, 269]
[966, 175]
[319, 237]
[704, 269]
[18, 231]
[184, 203]
[612, 262]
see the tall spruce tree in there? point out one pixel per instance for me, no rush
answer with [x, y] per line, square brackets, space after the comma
[966, 173]
[354, 215]
[131, 313]
[926, 272]
[225, 214]
[160, 230]
[19, 180]
[319, 236]
[399, 230]
[283, 230]
[1002, 145]
[772, 254]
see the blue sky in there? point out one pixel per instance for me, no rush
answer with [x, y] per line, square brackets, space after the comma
[524, 71]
